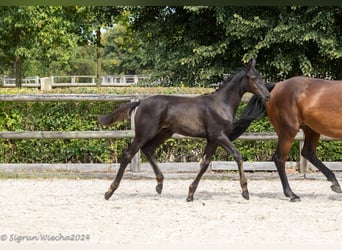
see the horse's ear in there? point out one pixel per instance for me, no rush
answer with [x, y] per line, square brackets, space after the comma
[251, 63]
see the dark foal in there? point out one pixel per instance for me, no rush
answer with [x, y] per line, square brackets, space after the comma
[208, 116]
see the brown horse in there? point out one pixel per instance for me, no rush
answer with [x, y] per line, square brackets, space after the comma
[207, 116]
[314, 105]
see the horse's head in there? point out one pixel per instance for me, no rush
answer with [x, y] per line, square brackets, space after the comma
[254, 82]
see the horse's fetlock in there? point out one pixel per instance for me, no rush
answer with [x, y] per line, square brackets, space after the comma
[160, 178]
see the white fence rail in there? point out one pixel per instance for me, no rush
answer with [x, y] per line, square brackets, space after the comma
[135, 166]
[76, 81]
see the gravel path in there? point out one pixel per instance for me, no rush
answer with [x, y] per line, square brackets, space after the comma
[136, 214]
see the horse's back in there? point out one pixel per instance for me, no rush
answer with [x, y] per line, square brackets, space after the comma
[179, 114]
[313, 102]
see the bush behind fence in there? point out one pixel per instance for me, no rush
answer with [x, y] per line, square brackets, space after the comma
[81, 116]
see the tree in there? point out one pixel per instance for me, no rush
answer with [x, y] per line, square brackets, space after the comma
[123, 53]
[44, 33]
[94, 19]
[301, 41]
[194, 45]
[16, 36]
[188, 45]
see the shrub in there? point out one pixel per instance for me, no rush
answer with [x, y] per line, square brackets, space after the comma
[81, 116]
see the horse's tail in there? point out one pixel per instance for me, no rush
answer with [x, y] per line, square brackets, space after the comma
[121, 113]
[254, 109]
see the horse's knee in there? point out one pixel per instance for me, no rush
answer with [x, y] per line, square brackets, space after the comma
[275, 158]
[277, 161]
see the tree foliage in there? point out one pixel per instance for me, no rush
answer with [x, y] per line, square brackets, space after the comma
[199, 44]
[183, 45]
[41, 33]
[81, 116]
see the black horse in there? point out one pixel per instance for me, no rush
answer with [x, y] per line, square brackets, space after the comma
[208, 116]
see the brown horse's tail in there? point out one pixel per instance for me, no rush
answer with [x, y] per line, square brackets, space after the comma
[254, 109]
[120, 114]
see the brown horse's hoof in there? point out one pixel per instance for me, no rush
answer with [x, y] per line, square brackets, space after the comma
[159, 188]
[336, 188]
[108, 195]
[245, 195]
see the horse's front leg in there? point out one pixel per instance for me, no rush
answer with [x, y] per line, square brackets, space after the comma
[230, 148]
[279, 158]
[243, 179]
[208, 153]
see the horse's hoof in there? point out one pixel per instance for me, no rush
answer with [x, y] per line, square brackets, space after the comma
[336, 188]
[190, 199]
[159, 188]
[108, 195]
[295, 199]
[245, 195]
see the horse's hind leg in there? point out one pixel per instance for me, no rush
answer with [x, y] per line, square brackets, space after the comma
[309, 152]
[208, 153]
[125, 160]
[148, 150]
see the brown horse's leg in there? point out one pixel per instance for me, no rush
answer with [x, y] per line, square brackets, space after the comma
[279, 158]
[125, 160]
[149, 148]
[309, 152]
[208, 153]
[227, 145]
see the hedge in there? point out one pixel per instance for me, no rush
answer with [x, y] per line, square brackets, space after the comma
[78, 116]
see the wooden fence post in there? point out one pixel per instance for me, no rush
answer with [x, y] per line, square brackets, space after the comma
[303, 163]
[135, 162]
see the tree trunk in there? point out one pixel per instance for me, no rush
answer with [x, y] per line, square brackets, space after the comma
[98, 57]
[18, 62]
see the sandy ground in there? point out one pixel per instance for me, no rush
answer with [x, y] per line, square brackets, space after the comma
[136, 214]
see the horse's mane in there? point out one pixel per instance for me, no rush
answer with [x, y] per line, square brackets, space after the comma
[254, 109]
[229, 79]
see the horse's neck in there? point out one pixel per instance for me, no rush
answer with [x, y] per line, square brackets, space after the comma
[231, 94]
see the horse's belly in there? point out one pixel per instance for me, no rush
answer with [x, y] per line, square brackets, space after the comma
[185, 123]
[326, 124]
[322, 110]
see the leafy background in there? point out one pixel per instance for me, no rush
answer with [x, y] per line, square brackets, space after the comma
[182, 45]
[178, 46]
[81, 116]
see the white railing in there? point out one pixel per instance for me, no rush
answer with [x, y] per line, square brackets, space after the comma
[30, 82]
[75, 81]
